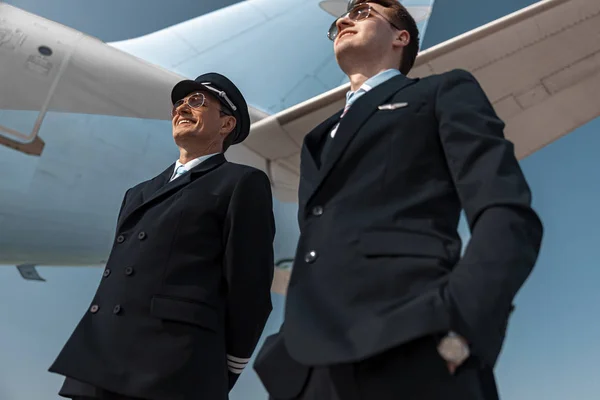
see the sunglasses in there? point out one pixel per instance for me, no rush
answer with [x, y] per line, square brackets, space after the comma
[196, 100]
[358, 13]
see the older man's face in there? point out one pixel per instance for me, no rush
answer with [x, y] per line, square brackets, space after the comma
[198, 117]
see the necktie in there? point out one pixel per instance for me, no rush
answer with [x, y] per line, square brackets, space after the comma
[346, 108]
[335, 128]
[179, 171]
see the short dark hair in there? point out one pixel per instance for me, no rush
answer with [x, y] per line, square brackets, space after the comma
[400, 16]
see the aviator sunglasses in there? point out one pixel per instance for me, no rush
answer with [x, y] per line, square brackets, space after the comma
[196, 100]
[358, 13]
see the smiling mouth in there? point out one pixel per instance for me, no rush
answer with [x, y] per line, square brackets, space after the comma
[344, 33]
[185, 122]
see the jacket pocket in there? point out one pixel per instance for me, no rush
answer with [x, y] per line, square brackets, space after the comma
[395, 242]
[186, 311]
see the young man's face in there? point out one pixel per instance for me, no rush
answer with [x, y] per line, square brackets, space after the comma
[372, 36]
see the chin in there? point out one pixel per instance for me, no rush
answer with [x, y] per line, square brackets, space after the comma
[183, 133]
[340, 49]
[185, 128]
[178, 131]
[352, 41]
[348, 52]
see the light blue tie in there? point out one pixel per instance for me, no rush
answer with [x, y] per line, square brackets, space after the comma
[179, 171]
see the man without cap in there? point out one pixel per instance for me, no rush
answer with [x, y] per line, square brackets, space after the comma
[381, 305]
[186, 290]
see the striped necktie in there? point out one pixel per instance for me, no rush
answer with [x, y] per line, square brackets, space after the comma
[335, 128]
[345, 110]
[349, 102]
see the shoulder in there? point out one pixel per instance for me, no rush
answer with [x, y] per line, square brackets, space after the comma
[246, 182]
[242, 169]
[167, 171]
[455, 84]
[451, 77]
[140, 186]
[137, 188]
[448, 76]
[241, 173]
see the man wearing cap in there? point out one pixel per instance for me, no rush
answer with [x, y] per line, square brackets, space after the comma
[186, 290]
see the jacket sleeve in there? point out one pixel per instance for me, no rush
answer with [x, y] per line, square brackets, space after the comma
[248, 267]
[506, 233]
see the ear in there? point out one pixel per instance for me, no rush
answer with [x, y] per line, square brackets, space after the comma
[228, 124]
[402, 39]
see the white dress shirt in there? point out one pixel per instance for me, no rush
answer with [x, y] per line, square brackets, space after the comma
[189, 165]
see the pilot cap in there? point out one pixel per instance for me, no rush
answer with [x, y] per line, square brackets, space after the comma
[227, 93]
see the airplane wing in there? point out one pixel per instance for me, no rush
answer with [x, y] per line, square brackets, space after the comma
[540, 67]
[48, 67]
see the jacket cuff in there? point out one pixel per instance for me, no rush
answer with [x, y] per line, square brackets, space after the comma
[236, 364]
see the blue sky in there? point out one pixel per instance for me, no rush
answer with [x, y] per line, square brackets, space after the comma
[552, 346]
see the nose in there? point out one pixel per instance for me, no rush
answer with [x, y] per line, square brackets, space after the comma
[178, 109]
[343, 22]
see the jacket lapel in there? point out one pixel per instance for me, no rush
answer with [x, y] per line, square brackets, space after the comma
[160, 186]
[134, 203]
[313, 142]
[310, 154]
[158, 182]
[200, 169]
[356, 117]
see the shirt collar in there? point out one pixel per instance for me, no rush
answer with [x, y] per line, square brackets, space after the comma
[371, 83]
[196, 161]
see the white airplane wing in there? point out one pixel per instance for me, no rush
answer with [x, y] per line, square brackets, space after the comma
[539, 66]
[48, 67]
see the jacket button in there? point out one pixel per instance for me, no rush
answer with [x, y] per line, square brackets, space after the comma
[106, 272]
[142, 235]
[311, 257]
[317, 211]
[120, 239]
[117, 309]
[94, 309]
[128, 271]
